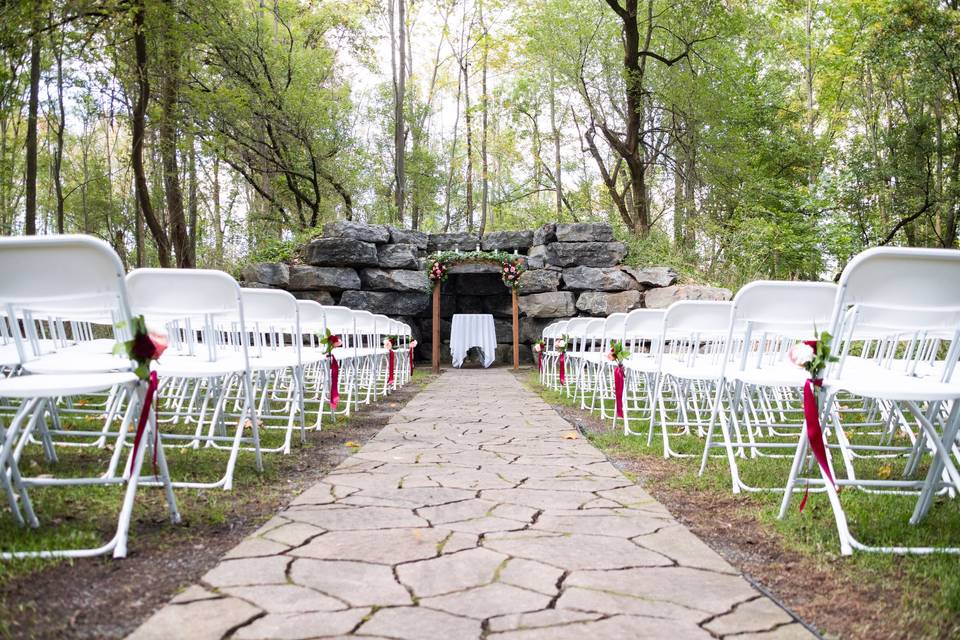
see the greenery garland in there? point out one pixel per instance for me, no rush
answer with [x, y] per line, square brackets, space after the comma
[511, 265]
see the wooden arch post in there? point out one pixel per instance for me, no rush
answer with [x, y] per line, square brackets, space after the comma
[436, 325]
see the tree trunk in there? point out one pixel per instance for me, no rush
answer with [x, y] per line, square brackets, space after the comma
[557, 178]
[173, 192]
[138, 130]
[484, 161]
[399, 95]
[193, 208]
[465, 68]
[32, 109]
[61, 126]
[218, 229]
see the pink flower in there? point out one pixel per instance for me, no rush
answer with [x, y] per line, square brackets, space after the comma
[335, 341]
[612, 356]
[801, 354]
[561, 343]
[388, 344]
[413, 344]
[538, 347]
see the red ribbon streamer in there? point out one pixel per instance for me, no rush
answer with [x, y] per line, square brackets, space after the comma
[540, 360]
[390, 375]
[142, 423]
[618, 380]
[411, 361]
[811, 415]
[334, 383]
[563, 373]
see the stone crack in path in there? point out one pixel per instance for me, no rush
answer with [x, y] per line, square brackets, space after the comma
[471, 515]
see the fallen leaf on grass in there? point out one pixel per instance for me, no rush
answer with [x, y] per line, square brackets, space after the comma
[352, 444]
[885, 471]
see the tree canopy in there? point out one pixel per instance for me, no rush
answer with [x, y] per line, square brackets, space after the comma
[734, 140]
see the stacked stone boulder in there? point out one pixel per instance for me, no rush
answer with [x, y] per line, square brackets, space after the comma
[573, 269]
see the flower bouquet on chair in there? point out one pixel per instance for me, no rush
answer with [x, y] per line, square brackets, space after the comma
[814, 356]
[145, 345]
[331, 342]
[560, 344]
[538, 348]
[617, 354]
[390, 343]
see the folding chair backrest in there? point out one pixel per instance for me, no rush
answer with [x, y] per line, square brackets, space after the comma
[643, 328]
[593, 334]
[191, 301]
[183, 292]
[313, 320]
[613, 329]
[902, 278]
[271, 315]
[795, 309]
[697, 316]
[697, 329]
[63, 277]
[906, 299]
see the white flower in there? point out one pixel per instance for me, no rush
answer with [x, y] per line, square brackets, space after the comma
[387, 344]
[413, 344]
[561, 343]
[800, 354]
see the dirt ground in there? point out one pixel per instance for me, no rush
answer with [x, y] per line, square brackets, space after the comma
[826, 596]
[106, 598]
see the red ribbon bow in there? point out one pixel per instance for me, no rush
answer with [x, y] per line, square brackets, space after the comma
[811, 415]
[334, 383]
[618, 384]
[142, 424]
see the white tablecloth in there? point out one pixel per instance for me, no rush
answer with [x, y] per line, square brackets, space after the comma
[473, 330]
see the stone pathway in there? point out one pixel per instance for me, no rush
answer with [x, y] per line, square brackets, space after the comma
[476, 513]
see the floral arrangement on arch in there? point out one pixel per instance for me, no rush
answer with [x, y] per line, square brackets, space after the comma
[561, 343]
[511, 266]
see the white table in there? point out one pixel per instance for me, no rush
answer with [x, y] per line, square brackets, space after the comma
[473, 330]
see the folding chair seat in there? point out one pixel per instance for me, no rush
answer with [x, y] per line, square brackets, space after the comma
[94, 281]
[908, 300]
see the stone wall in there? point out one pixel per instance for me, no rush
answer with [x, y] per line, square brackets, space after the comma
[573, 270]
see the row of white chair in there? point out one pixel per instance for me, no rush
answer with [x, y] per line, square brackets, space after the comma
[240, 362]
[720, 371]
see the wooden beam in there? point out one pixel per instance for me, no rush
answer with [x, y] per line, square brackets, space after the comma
[516, 330]
[436, 328]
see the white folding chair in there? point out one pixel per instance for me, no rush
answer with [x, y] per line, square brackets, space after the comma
[757, 402]
[907, 301]
[93, 284]
[205, 376]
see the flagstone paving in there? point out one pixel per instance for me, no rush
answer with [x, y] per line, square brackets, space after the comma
[475, 513]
